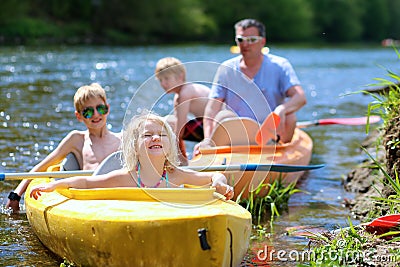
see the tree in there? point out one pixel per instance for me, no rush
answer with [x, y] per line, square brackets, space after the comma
[338, 20]
[394, 15]
[375, 20]
[287, 20]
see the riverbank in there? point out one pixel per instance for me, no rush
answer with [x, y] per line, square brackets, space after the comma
[366, 180]
[361, 245]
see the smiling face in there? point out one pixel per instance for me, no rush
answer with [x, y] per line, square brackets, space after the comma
[97, 120]
[148, 136]
[153, 140]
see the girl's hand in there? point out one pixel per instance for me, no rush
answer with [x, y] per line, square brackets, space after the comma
[206, 143]
[225, 190]
[219, 182]
[36, 191]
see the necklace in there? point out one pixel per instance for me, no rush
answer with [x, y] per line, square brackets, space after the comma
[164, 176]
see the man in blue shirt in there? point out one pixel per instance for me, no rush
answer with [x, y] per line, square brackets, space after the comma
[253, 84]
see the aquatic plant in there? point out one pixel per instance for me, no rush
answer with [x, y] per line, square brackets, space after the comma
[272, 204]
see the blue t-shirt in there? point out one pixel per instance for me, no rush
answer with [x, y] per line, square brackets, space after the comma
[258, 97]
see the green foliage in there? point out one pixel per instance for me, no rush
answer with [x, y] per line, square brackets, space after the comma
[351, 246]
[386, 104]
[393, 29]
[11, 10]
[285, 25]
[29, 28]
[375, 20]
[165, 21]
[338, 20]
[275, 201]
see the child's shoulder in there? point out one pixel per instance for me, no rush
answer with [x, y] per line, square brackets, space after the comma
[117, 134]
[194, 90]
[77, 134]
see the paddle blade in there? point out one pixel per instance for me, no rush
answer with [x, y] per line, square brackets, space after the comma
[342, 121]
[388, 221]
[267, 130]
[384, 225]
[255, 167]
[351, 121]
[294, 168]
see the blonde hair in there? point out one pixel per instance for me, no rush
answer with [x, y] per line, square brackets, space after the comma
[132, 133]
[84, 93]
[168, 66]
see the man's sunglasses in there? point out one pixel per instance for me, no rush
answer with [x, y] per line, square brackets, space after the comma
[248, 39]
[88, 112]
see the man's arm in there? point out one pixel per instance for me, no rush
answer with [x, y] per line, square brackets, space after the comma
[287, 112]
[296, 101]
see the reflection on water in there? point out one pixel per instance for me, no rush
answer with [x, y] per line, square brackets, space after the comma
[36, 112]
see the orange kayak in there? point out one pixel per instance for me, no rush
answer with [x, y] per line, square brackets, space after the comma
[297, 152]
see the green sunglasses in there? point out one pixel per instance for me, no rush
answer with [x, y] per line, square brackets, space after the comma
[88, 112]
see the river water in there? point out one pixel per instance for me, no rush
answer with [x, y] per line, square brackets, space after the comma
[36, 111]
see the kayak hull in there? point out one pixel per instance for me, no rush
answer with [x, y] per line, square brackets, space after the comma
[297, 152]
[141, 227]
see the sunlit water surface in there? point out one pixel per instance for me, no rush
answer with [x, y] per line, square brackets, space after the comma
[36, 112]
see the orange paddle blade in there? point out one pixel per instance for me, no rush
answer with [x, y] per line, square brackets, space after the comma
[267, 130]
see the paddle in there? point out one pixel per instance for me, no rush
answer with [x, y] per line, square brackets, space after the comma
[267, 130]
[256, 167]
[342, 121]
[386, 227]
[389, 221]
[241, 167]
[33, 175]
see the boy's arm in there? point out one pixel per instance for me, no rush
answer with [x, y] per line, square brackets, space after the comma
[66, 146]
[182, 107]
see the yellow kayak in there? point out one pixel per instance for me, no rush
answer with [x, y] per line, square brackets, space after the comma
[140, 227]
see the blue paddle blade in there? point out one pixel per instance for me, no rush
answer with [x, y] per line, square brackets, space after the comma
[282, 167]
[256, 167]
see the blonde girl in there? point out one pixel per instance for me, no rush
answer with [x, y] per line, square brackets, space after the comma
[150, 154]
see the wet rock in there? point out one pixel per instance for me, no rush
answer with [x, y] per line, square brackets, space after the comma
[366, 180]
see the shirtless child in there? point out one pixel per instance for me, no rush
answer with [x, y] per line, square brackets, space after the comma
[190, 98]
[90, 147]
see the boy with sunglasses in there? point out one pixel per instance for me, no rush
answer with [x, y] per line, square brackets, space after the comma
[89, 147]
[272, 85]
[189, 98]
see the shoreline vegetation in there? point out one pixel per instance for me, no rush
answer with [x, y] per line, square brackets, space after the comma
[377, 186]
[124, 22]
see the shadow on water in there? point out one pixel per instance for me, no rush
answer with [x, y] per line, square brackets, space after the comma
[36, 112]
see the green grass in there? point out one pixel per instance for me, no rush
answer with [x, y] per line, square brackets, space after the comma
[271, 205]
